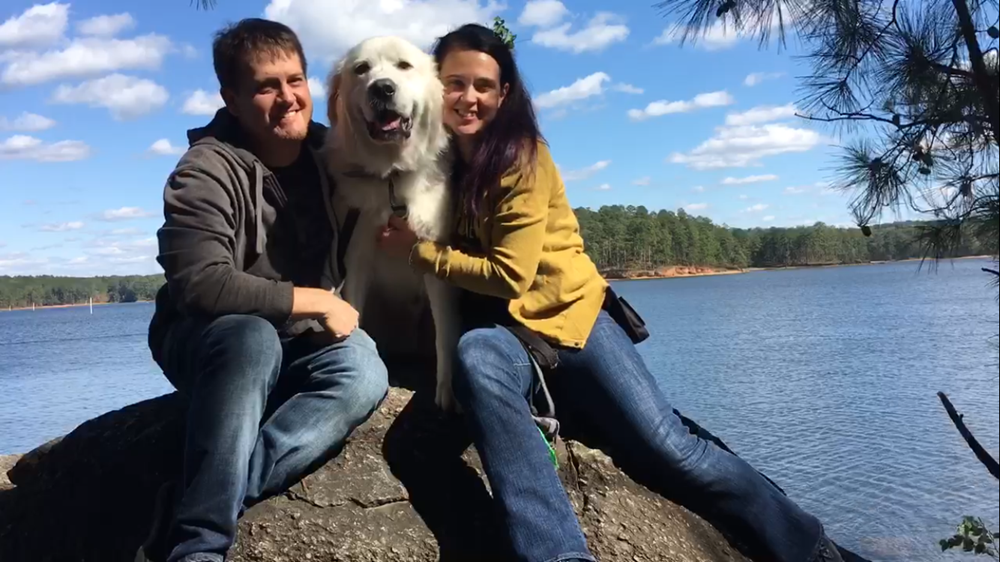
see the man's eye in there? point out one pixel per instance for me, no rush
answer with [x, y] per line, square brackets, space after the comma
[362, 68]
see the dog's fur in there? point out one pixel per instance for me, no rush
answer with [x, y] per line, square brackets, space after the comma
[415, 153]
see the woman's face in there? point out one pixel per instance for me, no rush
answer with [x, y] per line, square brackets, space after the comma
[472, 91]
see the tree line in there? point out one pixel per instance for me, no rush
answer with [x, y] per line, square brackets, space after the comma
[627, 238]
[619, 239]
[47, 290]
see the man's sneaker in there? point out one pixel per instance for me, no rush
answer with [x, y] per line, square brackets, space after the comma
[827, 552]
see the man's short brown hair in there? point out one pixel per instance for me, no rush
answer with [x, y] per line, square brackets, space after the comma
[244, 42]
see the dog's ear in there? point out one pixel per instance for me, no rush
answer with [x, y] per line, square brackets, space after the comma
[333, 97]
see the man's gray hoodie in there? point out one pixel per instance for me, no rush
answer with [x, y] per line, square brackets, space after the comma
[213, 245]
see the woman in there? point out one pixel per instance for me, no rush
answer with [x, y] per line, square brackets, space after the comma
[520, 262]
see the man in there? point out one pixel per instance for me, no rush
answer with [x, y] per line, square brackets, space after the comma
[276, 370]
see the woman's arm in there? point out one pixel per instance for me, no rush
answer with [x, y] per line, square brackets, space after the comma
[517, 235]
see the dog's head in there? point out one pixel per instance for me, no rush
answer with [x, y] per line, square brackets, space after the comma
[388, 91]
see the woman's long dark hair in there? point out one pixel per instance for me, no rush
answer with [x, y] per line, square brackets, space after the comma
[511, 139]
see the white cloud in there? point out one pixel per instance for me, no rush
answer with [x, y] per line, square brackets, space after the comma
[741, 147]
[761, 114]
[317, 88]
[21, 147]
[86, 57]
[328, 28]
[719, 35]
[696, 207]
[20, 263]
[768, 218]
[627, 88]
[126, 97]
[124, 213]
[756, 78]
[715, 38]
[38, 26]
[698, 189]
[542, 13]
[645, 180]
[584, 173]
[583, 88]
[125, 232]
[603, 187]
[61, 227]
[664, 107]
[795, 190]
[749, 179]
[163, 147]
[201, 102]
[107, 256]
[27, 123]
[743, 197]
[759, 207]
[603, 30]
[106, 26]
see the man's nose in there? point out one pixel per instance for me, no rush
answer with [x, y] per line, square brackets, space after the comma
[286, 94]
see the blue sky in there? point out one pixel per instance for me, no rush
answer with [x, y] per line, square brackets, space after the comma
[97, 96]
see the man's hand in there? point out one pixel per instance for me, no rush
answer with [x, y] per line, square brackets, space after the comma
[341, 319]
[334, 313]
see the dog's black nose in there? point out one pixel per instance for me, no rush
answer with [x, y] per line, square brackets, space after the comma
[383, 89]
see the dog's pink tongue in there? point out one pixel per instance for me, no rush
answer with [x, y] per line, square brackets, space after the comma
[391, 125]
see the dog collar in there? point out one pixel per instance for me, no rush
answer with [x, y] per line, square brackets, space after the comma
[398, 209]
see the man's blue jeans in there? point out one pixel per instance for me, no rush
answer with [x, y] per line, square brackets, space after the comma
[608, 383]
[264, 412]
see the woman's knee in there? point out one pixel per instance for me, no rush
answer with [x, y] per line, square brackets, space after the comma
[487, 360]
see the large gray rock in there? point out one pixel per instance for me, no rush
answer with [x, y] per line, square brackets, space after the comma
[88, 498]
[7, 462]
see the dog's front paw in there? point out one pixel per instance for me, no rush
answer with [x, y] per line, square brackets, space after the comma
[445, 399]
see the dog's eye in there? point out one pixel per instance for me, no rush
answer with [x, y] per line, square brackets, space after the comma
[403, 65]
[362, 68]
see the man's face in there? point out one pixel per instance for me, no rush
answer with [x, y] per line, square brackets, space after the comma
[272, 99]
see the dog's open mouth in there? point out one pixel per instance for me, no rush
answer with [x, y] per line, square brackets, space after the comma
[389, 126]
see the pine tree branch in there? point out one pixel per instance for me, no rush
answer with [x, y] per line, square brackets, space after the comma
[993, 271]
[986, 86]
[984, 457]
[861, 116]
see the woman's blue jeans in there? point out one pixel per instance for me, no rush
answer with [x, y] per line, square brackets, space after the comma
[608, 383]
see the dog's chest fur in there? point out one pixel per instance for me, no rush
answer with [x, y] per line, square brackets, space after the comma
[424, 192]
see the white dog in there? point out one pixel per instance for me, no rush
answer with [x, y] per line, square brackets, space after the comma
[387, 150]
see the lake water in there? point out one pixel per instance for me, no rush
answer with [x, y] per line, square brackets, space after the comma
[825, 379]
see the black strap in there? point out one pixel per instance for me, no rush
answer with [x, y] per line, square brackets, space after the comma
[344, 238]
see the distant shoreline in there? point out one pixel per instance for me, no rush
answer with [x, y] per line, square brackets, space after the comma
[77, 305]
[670, 272]
[680, 271]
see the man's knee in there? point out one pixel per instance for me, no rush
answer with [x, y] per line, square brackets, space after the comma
[356, 367]
[244, 346]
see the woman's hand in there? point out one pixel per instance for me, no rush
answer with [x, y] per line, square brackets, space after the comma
[397, 237]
